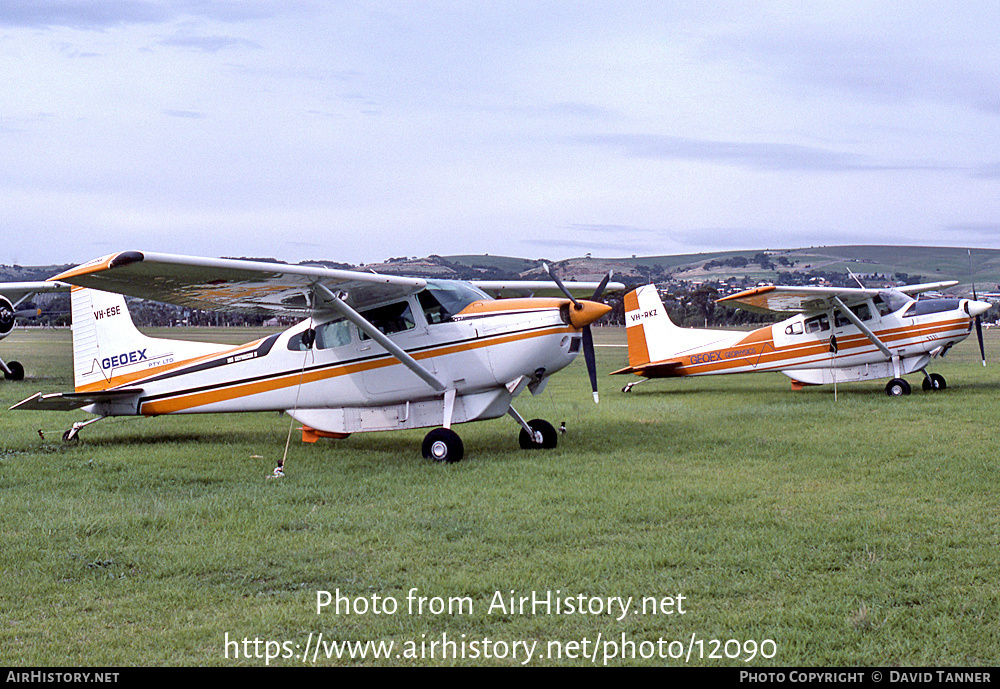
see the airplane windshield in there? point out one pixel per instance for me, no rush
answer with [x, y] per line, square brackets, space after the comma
[891, 301]
[926, 306]
[442, 300]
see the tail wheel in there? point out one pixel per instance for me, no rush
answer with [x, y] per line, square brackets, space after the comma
[549, 437]
[16, 371]
[897, 387]
[443, 445]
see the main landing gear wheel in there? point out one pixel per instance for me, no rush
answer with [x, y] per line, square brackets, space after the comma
[443, 445]
[549, 437]
[16, 371]
[934, 382]
[897, 387]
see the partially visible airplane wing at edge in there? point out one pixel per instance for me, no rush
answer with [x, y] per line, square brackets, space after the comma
[540, 288]
[16, 291]
[791, 300]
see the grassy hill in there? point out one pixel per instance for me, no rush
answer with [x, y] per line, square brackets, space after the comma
[927, 263]
[924, 262]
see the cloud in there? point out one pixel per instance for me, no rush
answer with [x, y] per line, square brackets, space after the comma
[185, 113]
[887, 55]
[209, 44]
[99, 15]
[756, 155]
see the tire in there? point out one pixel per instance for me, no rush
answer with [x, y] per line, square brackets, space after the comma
[16, 371]
[549, 436]
[897, 387]
[443, 445]
[934, 383]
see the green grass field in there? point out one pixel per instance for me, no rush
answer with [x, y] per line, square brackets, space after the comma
[800, 530]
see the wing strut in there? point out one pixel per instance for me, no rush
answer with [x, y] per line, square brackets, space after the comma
[850, 315]
[335, 302]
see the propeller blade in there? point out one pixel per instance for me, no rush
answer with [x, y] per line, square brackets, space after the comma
[979, 320]
[591, 359]
[600, 288]
[561, 286]
[588, 337]
[979, 334]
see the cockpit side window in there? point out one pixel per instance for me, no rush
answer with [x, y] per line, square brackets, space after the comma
[817, 323]
[391, 318]
[434, 312]
[890, 301]
[333, 334]
[301, 342]
[794, 328]
[442, 299]
[861, 311]
[881, 306]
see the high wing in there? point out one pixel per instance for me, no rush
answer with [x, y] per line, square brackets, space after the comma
[219, 284]
[539, 288]
[18, 291]
[784, 300]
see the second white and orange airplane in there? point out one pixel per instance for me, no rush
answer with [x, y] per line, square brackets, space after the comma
[836, 335]
[373, 352]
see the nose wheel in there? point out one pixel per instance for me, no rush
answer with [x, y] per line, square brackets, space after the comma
[542, 436]
[934, 382]
[13, 370]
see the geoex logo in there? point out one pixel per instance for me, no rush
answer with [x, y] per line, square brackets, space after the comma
[124, 359]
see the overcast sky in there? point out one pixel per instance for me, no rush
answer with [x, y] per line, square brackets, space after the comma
[357, 131]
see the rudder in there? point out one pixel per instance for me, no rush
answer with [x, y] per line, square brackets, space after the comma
[647, 326]
[108, 350]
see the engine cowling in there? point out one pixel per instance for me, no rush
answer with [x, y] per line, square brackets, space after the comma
[6, 317]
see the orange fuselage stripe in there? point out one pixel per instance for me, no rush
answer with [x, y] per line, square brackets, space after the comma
[766, 353]
[182, 401]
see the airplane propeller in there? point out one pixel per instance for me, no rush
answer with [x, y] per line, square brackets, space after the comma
[979, 320]
[588, 337]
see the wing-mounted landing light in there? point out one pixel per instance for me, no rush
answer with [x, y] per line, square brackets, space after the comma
[582, 314]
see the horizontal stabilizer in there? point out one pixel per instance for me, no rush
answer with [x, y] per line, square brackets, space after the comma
[667, 369]
[68, 401]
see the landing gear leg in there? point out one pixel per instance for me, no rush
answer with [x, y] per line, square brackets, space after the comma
[74, 433]
[628, 386]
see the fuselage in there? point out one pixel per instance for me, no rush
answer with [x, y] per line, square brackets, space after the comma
[467, 341]
[827, 340]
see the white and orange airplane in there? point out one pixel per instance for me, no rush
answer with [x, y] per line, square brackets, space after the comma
[12, 295]
[837, 335]
[373, 353]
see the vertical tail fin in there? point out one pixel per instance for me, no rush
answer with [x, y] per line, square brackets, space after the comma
[648, 326]
[108, 350]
